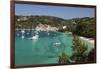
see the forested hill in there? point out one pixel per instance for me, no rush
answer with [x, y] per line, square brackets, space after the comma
[85, 27]
[33, 21]
[81, 26]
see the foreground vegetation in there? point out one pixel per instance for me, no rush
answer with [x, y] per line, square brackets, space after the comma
[80, 53]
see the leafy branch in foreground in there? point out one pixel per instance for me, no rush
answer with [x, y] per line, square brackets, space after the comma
[63, 58]
[79, 51]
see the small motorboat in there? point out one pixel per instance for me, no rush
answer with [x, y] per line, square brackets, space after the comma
[22, 31]
[35, 37]
[57, 44]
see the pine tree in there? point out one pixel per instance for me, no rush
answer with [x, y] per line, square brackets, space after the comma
[79, 51]
[63, 58]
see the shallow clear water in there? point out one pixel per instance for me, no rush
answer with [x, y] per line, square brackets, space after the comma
[44, 50]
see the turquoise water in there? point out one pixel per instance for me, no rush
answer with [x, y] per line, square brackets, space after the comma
[43, 50]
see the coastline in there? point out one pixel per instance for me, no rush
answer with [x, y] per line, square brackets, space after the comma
[87, 39]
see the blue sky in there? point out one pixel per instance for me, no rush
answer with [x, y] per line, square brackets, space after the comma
[57, 11]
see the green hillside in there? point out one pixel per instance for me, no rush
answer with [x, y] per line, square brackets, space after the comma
[80, 26]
